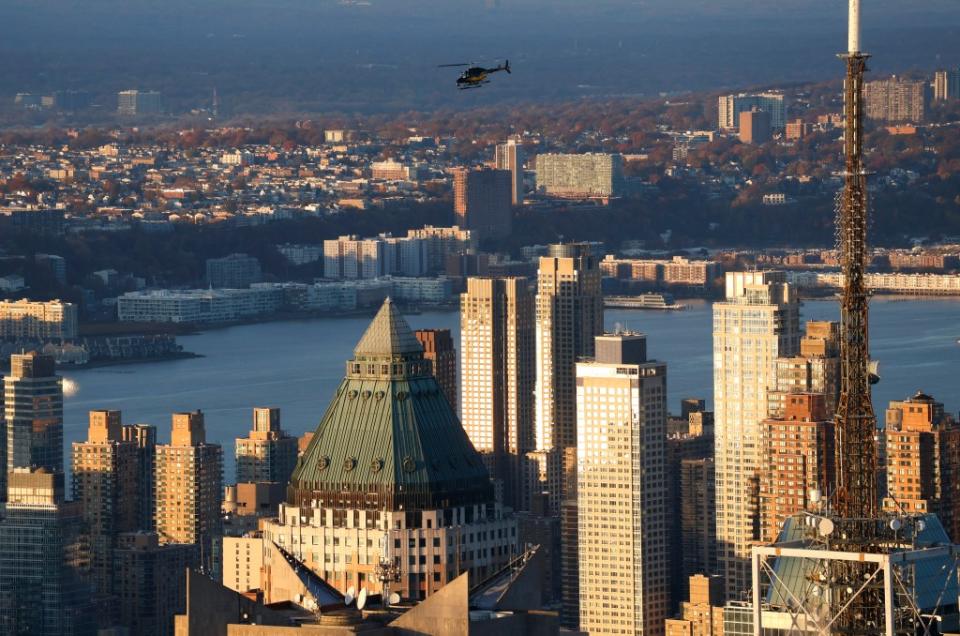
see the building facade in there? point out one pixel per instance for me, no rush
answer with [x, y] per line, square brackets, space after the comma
[896, 100]
[481, 201]
[730, 107]
[389, 478]
[757, 323]
[946, 84]
[188, 487]
[497, 366]
[798, 459]
[438, 348]
[923, 460]
[510, 156]
[134, 102]
[578, 176]
[106, 472]
[569, 315]
[33, 409]
[48, 321]
[622, 489]
[236, 271]
[267, 454]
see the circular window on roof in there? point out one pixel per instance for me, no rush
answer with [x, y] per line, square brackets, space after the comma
[353, 395]
[402, 395]
[379, 395]
[349, 464]
[409, 464]
[366, 395]
[323, 462]
[376, 465]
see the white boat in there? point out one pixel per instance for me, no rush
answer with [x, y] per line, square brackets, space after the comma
[643, 301]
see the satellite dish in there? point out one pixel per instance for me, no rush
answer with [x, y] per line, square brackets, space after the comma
[825, 527]
[921, 526]
[895, 524]
[362, 599]
[348, 599]
[352, 591]
[394, 598]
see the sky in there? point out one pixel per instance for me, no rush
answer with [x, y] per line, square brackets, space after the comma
[267, 55]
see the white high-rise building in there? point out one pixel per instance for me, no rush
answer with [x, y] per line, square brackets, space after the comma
[758, 323]
[509, 156]
[730, 107]
[622, 489]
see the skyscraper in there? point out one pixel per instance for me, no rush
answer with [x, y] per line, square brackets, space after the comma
[481, 201]
[189, 486]
[510, 156]
[498, 371]
[757, 323]
[145, 437]
[798, 458]
[946, 84]
[923, 456]
[33, 405]
[569, 308]
[622, 489]
[390, 478]
[133, 102]
[267, 454]
[43, 559]
[105, 486]
[439, 350]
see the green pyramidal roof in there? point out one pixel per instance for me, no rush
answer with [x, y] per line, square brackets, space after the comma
[388, 335]
[389, 439]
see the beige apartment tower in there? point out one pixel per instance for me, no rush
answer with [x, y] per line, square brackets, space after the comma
[106, 473]
[622, 489]
[267, 454]
[497, 367]
[756, 324]
[569, 307]
[439, 349]
[188, 486]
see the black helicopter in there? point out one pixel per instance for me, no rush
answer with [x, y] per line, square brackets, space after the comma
[476, 76]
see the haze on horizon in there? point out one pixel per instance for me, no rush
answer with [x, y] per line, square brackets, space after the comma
[284, 56]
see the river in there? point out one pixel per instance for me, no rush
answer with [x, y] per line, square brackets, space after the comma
[296, 365]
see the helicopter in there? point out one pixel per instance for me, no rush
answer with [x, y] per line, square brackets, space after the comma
[476, 76]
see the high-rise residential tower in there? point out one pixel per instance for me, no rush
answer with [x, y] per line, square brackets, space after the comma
[509, 156]
[189, 486]
[946, 84]
[145, 437]
[105, 485]
[569, 307]
[756, 324]
[498, 371]
[622, 489]
[896, 99]
[267, 454]
[481, 201]
[439, 350]
[923, 459]
[33, 405]
[798, 459]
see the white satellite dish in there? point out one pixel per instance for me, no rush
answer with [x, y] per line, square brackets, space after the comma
[825, 527]
[895, 524]
[352, 591]
[394, 598]
[348, 599]
[362, 599]
[921, 526]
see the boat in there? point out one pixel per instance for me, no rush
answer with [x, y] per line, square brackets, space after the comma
[643, 301]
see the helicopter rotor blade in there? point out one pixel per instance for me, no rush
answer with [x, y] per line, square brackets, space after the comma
[450, 65]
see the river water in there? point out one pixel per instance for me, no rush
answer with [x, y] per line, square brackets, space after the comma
[297, 365]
